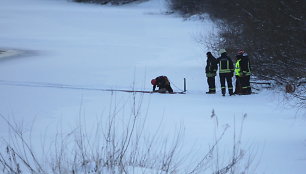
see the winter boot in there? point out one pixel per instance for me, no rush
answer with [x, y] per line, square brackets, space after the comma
[211, 92]
[231, 92]
[250, 90]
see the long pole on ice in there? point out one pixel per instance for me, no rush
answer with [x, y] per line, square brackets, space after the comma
[185, 85]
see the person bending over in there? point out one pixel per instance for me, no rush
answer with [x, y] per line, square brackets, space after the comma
[162, 83]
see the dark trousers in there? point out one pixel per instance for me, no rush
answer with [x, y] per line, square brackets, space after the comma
[164, 89]
[211, 84]
[168, 87]
[238, 88]
[245, 85]
[228, 78]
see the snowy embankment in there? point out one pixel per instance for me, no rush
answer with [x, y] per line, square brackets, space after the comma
[92, 46]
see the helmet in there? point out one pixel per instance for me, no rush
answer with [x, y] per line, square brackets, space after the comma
[240, 52]
[221, 51]
[153, 82]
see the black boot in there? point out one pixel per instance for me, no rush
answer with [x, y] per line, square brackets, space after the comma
[211, 92]
[223, 91]
[231, 92]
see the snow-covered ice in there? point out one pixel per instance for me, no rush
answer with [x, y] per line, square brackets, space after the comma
[124, 47]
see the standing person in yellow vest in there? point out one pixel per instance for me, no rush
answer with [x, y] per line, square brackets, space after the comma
[211, 71]
[226, 72]
[238, 88]
[243, 73]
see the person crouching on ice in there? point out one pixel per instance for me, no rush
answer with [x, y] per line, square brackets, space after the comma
[162, 83]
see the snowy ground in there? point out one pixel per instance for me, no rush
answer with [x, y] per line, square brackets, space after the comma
[105, 47]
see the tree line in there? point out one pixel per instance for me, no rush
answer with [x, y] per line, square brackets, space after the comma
[273, 32]
[114, 2]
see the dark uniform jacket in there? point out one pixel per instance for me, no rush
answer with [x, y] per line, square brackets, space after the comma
[245, 66]
[226, 66]
[211, 66]
[163, 83]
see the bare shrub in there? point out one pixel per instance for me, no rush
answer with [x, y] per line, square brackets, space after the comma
[118, 143]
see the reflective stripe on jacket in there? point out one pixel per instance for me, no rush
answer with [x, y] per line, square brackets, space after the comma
[245, 69]
[226, 65]
[224, 70]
